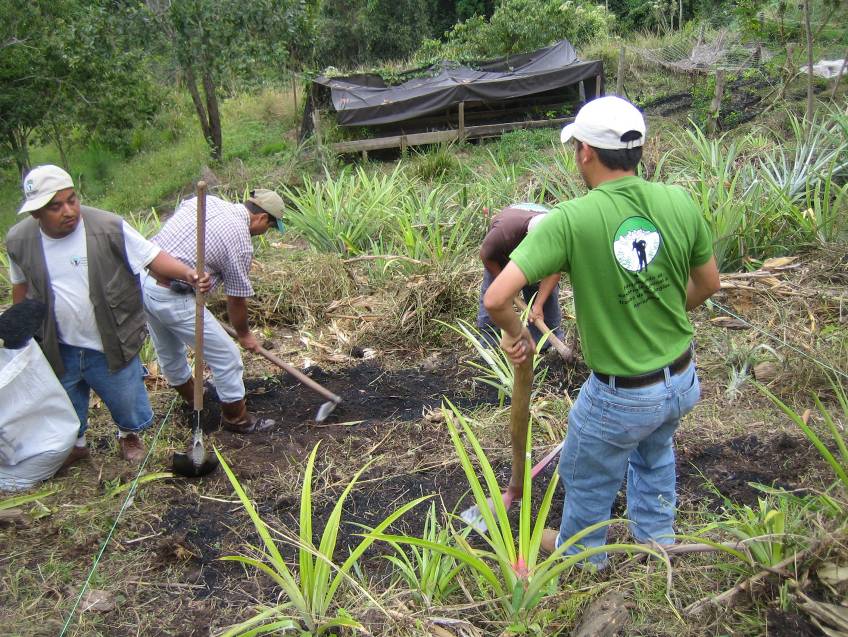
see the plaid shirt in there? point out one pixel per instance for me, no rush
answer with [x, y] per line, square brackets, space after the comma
[229, 251]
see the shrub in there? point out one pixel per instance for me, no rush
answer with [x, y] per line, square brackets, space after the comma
[522, 25]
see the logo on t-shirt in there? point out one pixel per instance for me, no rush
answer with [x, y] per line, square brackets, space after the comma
[636, 243]
[79, 261]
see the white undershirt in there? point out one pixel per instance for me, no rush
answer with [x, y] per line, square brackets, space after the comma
[67, 267]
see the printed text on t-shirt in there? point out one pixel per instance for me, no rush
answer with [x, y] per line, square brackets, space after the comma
[643, 289]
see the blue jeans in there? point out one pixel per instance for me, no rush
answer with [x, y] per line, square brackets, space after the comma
[123, 391]
[612, 431]
[551, 311]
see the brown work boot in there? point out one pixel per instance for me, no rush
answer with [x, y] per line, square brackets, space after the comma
[132, 448]
[186, 392]
[549, 538]
[77, 454]
[236, 418]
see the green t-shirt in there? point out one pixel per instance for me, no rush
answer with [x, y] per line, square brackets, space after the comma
[628, 246]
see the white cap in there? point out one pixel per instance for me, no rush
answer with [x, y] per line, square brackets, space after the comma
[40, 184]
[604, 121]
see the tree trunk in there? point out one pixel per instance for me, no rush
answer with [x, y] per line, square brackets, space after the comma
[19, 141]
[810, 102]
[191, 84]
[217, 141]
[56, 135]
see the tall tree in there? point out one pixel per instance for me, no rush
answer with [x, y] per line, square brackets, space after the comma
[64, 66]
[211, 39]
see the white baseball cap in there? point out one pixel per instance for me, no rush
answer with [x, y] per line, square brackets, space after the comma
[603, 123]
[40, 184]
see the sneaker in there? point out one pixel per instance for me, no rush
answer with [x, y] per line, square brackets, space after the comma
[77, 454]
[132, 448]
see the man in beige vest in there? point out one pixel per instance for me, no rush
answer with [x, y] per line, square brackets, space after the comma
[84, 263]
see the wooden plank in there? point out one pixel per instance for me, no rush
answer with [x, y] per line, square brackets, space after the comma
[461, 131]
[619, 76]
[437, 137]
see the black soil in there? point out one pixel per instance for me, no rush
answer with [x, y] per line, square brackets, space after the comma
[383, 409]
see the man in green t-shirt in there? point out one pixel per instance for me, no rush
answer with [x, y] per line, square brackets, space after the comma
[639, 255]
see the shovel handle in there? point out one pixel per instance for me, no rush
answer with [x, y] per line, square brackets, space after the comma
[199, 297]
[299, 375]
[519, 420]
[566, 352]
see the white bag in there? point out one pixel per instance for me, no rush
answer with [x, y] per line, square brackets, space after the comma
[38, 424]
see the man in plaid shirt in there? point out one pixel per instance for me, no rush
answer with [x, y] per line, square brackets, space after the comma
[170, 307]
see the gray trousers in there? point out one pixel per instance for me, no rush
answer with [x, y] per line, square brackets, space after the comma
[551, 310]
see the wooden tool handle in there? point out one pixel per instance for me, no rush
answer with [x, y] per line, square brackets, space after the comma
[567, 353]
[519, 420]
[199, 297]
[299, 375]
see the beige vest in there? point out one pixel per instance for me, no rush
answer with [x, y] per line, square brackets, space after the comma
[114, 290]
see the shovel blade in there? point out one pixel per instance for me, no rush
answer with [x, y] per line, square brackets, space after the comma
[183, 464]
[474, 518]
[325, 410]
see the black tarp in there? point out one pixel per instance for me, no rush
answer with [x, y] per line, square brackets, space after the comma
[366, 100]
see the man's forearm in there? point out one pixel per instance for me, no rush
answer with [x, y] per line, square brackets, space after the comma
[237, 313]
[167, 267]
[704, 281]
[546, 286]
[499, 296]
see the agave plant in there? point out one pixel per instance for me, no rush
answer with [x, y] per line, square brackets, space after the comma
[309, 607]
[429, 574]
[817, 154]
[496, 369]
[513, 573]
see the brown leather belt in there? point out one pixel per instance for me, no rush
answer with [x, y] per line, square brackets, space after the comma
[642, 380]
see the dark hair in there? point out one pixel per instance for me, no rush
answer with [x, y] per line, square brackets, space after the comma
[253, 209]
[623, 159]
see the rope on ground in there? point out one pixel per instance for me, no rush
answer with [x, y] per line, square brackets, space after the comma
[779, 340]
[124, 506]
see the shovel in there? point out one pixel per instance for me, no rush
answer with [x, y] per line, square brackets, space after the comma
[197, 462]
[327, 408]
[519, 420]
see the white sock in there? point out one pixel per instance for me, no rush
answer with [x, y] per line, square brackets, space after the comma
[123, 434]
[80, 441]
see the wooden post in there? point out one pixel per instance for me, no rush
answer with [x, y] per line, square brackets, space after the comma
[811, 109]
[365, 156]
[403, 145]
[715, 106]
[316, 126]
[619, 77]
[294, 91]
[680, 16]
[839, 75]
[461, 131]
[597, 86]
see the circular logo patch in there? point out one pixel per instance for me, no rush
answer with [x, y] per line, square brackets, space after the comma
[29, 186]
[636, 243]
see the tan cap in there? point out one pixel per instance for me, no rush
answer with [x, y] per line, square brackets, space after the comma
[271, 203]
[40, 184]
